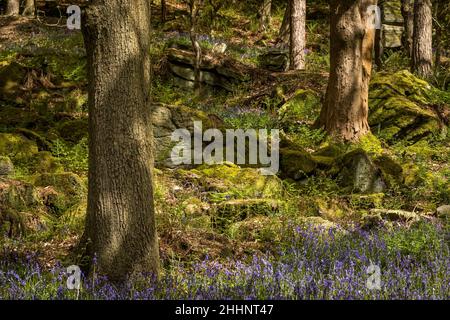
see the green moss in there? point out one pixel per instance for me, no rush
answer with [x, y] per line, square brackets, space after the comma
[73, 130]
[296, 164]
[17, 147]
[44, 162]
[227, 180]
[233, 211]
[399, 107]
[370, 144]
[304, 106]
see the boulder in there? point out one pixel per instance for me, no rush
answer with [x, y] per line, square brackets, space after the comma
[6, 166]
[296, 164]
[391, 12]
[17, 147]
[61, 191]
[168, 118]
[358, 173]
[275, 60]
[19, 209]
[227, 181]
[392, 36]
[232, 211]
[380, 217]
[398, 108]
[222, 72]
[443, 212]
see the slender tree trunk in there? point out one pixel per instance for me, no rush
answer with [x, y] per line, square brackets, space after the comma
[298, 34]
[163, 11]
[440, 15]
[120, 224]
[408, 17]
[285, 34]
[12, 8]
[422, 57]
[29, 9]
[265, 14]
[194, 7]
[345, 111]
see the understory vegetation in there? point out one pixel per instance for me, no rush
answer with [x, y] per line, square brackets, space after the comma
[225, 231]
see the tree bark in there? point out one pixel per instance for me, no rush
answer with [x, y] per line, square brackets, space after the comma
[408, 18]
[120, 224]
[422, 55]
[29, 9]
[298, 34]
[194, 8]
[265, 14]
[163, 11]
[285, 34]
[12, 8]
[345, 110]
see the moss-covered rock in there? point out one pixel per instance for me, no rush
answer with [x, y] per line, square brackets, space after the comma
[44, 162]
[296, 164]
[398, 107]
[233, 211]
[17, 147]
[6, 166]
[11, 78]
[384, 217]
[73, 130]
[228, 181]
[67, 190]
[168, 118]
[357, 173]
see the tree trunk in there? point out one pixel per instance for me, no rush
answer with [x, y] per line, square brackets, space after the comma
[29, 9]
[440, 15]
[12, 8]
[120, 224]
[422, 58]
[265, 14]
[194, 7]
[163, 11]
[285, 33]
[298, 34]
[345, 111]
[408, 17]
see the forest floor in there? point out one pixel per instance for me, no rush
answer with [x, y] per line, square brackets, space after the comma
[225, 231]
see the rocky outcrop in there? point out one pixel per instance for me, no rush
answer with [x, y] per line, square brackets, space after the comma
[399, 110]
[216, 71]
[6, 166]
[274, 60]
[168, 118]
[392, 24]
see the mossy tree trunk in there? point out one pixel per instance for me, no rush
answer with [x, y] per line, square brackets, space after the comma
[12, 8]
[29, 8]
[298, 34]
[120, 224]
[345, 110]
[422, 53]
[408, 18]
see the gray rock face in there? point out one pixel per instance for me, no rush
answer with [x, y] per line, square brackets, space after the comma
[360, 174]
[218, 73]
[392, 20]
[6, 166]
[392, 36]
[443, 212]
[166, 119]
[275, 60]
